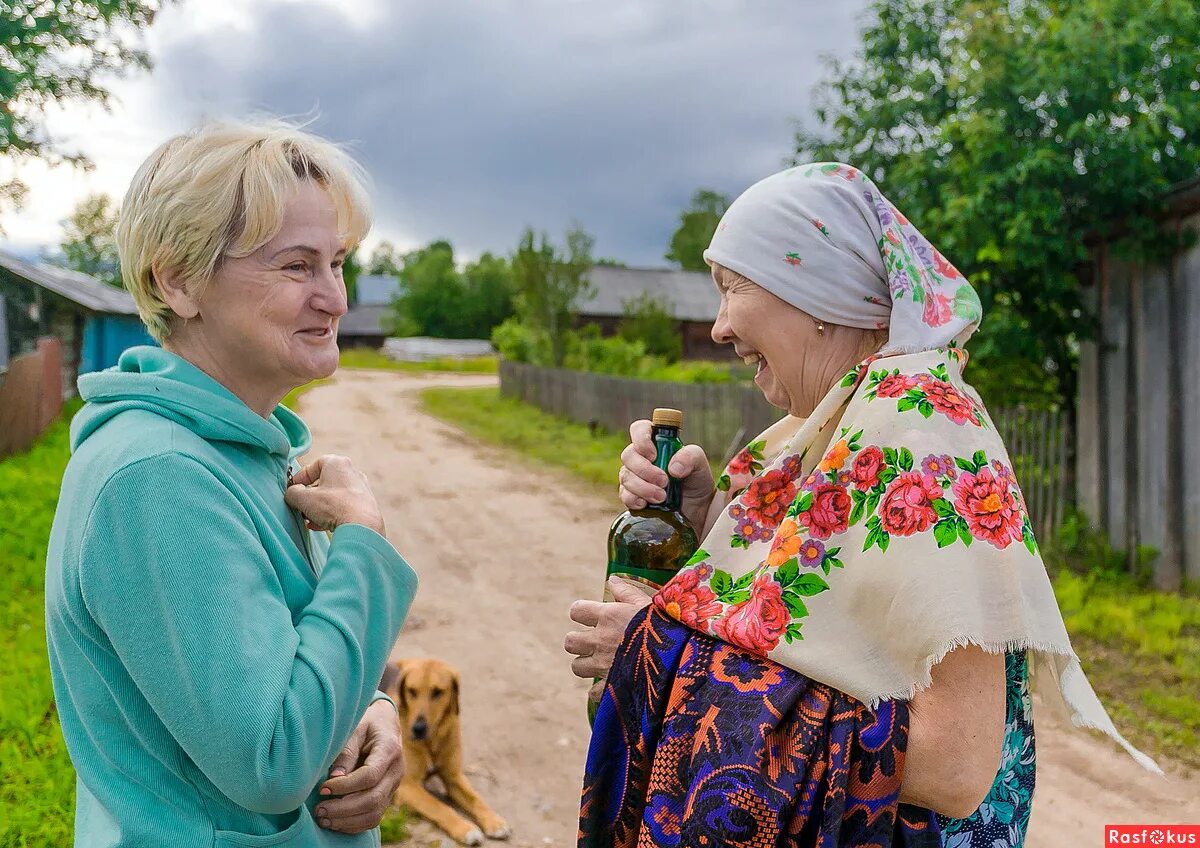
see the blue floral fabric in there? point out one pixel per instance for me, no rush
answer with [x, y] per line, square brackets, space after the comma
[1003, 817]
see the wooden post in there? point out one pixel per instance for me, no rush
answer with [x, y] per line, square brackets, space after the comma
[1132, 433]
[1104, 478]
[1168, 575]
[50, 351]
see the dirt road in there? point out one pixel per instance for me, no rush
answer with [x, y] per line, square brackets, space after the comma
[502, 551]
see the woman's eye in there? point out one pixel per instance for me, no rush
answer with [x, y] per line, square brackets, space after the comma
[299, 267]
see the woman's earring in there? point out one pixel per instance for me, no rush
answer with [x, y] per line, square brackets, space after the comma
[820, 329]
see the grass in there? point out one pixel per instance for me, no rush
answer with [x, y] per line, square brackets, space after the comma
[367, 358]
[1140, 648]
[1141, 651]
[37, 781]
[394, 827]
[547, 438]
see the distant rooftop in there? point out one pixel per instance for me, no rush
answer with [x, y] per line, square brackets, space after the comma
[365, 321]
[690, 295]
[86, 291]
[376, 289]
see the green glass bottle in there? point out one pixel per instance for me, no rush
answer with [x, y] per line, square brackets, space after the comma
[648, 546]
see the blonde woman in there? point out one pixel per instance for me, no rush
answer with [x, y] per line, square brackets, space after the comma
[215, 662]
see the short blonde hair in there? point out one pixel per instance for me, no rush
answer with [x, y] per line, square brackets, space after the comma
[221, 190]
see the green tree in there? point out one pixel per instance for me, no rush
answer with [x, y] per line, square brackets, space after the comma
[53, 51]
[439, 300]
[489, 291]
[649, 319]
[1008, 131]
[550, 283]
[350, 271]
[697, 224]
[385, 260]
[89, 243]
[433, 295]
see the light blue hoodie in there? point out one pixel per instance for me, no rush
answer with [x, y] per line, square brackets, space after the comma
[210, 656]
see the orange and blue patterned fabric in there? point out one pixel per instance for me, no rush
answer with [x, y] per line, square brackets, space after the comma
[701, 743]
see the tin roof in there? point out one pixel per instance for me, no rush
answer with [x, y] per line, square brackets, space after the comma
[79, 288]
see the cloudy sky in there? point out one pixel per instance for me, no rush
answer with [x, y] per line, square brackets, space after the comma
[476, 119]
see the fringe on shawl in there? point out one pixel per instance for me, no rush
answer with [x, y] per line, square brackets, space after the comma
[1071, 687]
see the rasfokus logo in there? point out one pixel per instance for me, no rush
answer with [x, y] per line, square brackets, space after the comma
[1151, 834]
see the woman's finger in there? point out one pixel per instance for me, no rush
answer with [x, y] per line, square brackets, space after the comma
[364, 778]
[640, 434]
[310, 473]
[349, 806]
[647, 491]
[586, 612]
[687, 461]
[580, 642]
[357, 824]
[637, 465]
[630, 500]
[588, 667]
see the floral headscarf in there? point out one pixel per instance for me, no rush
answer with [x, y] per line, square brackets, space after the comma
[824, 238]
[860, 545]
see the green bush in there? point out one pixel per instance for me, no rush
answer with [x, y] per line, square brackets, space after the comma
[37, 781]
[587, 350]
[649, 320]
[519, 342]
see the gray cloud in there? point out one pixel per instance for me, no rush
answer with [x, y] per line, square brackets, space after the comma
[475, 119]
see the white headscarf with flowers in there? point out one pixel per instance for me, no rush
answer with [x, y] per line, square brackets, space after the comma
[824, 238]
[860, 545]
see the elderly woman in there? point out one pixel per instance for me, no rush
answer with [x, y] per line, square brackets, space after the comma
[845, 661]
[214, 662]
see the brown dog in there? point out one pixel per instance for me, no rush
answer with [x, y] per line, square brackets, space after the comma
[426, 693]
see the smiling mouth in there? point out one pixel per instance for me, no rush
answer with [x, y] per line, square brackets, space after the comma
[755, 359]
[317, 332]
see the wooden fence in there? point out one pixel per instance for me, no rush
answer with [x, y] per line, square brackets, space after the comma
[31, 396]
[723, 417]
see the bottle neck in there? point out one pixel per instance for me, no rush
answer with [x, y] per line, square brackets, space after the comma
[667, 443]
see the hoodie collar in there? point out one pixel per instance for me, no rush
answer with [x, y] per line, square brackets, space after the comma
[158, 381]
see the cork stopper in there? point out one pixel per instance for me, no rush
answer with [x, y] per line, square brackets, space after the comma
[664, 417]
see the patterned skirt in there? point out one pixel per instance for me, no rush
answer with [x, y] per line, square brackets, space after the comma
[699, 743]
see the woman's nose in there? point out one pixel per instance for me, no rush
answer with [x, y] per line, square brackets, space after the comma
[331, 296]
[722, 332]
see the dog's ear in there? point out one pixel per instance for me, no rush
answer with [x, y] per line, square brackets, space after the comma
[454, 693]
[396, 671]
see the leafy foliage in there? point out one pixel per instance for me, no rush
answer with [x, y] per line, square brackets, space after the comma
[350, 271]
[439, 300]
[385, 259]
[61, 50]
[550, 284]
[587, 350]
[697, 224]
[648, 319]
[89, 244]
[1010, 131]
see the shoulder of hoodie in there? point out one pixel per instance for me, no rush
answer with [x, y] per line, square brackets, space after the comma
[136, 437]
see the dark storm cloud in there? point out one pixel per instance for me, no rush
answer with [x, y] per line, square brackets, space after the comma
[477, 119]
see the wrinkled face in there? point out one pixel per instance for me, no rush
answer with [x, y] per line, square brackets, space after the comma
[274, 314]
[769, 333]
[426, 693]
